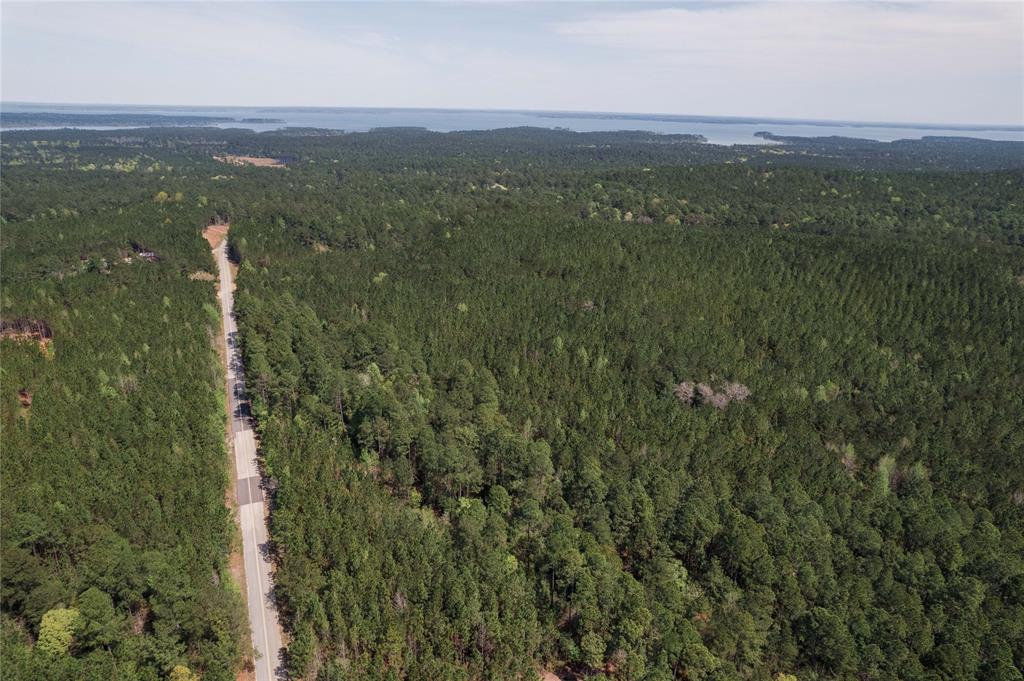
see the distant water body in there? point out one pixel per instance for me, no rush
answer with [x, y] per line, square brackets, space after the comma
[717, 130]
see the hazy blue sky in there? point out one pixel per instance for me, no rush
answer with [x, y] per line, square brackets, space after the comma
[938, 61]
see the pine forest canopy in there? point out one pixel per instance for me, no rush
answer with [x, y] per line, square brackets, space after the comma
[615, 405]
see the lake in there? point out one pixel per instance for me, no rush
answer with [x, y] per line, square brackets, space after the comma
[717, 130]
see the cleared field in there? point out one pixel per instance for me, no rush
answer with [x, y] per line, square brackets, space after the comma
[258, 161]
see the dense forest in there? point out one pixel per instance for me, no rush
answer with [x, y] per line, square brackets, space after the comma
[115, 531]
[613, 405]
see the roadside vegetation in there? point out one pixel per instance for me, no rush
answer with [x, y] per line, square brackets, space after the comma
[115, 531]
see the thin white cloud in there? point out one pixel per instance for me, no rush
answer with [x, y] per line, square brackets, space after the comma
[816, 30]
[198, 53]
[260, 33]
[886, 55]
[950, 62]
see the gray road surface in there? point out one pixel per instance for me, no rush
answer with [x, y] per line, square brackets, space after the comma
[266, 629]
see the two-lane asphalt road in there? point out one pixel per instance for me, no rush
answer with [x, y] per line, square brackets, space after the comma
[266, 629]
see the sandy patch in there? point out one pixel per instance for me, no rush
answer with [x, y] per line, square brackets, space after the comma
[202, 275]
[214, 234]
[258, 161]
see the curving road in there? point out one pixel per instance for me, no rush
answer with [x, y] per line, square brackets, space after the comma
[263, 621]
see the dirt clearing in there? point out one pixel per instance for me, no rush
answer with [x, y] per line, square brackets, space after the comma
[258, 161]
[214, 234]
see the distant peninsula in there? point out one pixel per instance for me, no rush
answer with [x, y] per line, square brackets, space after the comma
[47, 119]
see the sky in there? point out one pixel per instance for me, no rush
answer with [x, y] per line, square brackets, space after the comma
[920, 62]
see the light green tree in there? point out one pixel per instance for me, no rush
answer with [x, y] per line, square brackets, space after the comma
[56, 630]
[183, 673]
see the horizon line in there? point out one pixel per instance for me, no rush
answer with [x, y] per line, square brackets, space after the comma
[1002, 127]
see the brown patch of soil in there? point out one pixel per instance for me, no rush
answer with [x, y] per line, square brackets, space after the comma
[137, 620]
[214, 234]
[202, 275]
[246, 674]
[258, 161]
[31, 330]
[25, 402]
